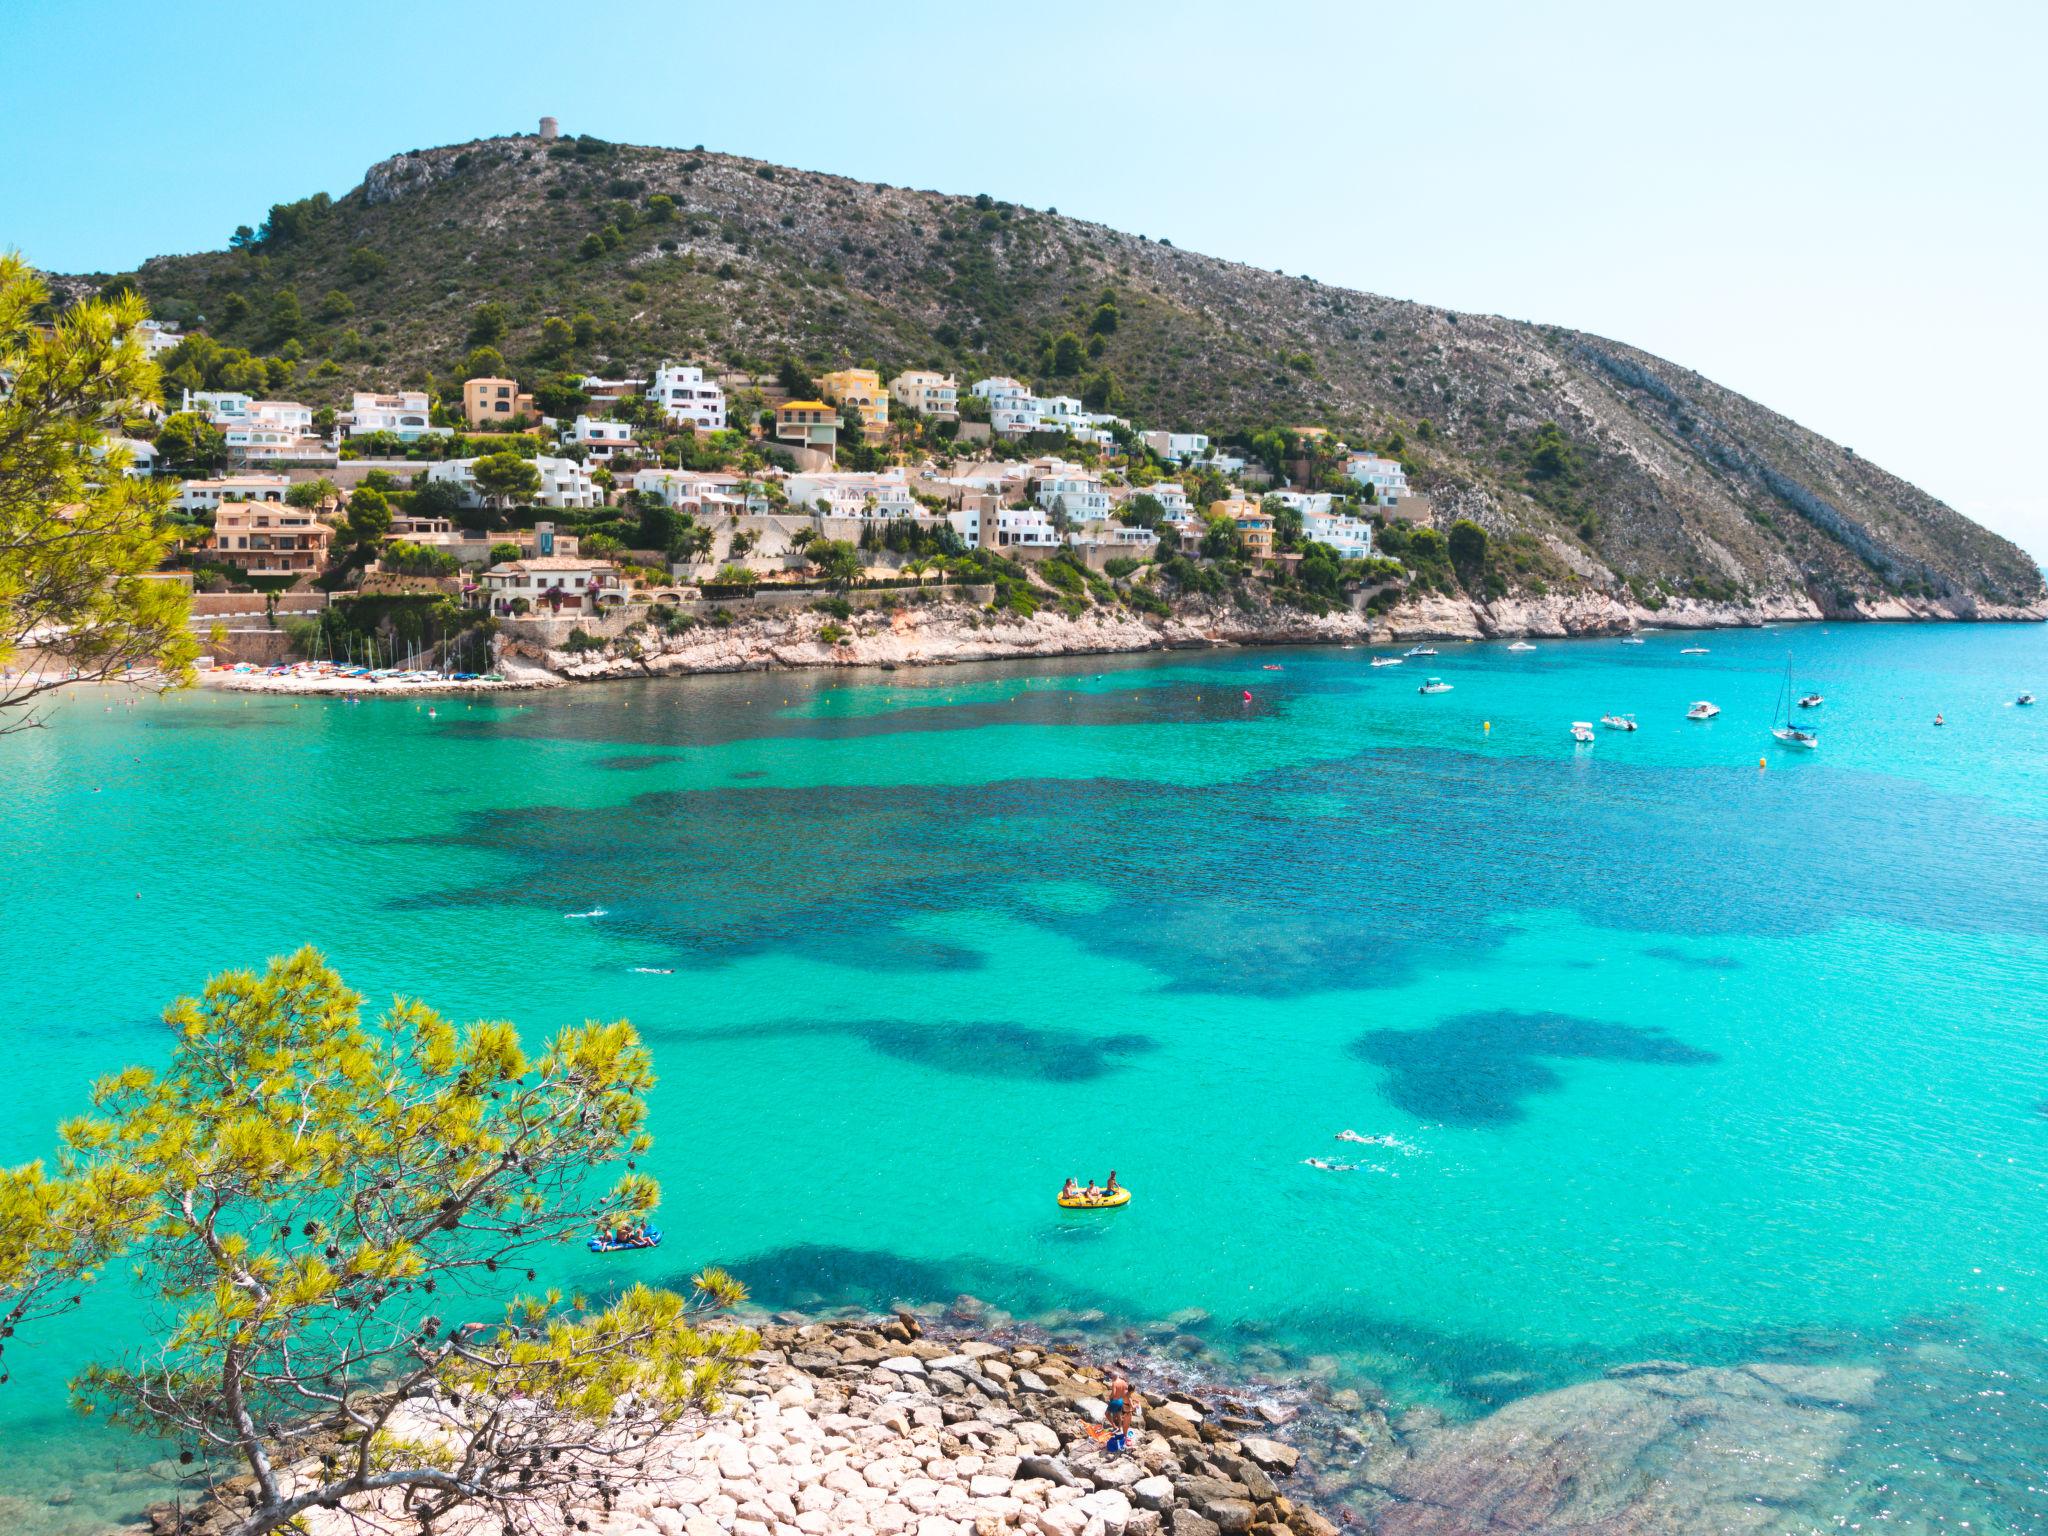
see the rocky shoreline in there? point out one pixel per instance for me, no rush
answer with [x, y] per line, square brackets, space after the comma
[879, 1426]
[934, 1423]
[944, 633]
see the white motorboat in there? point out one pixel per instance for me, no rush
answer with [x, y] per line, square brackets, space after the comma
[1421, 650]
[1619, 722]
[1435, 685]
[1631, 639]
[1582, 730]
[1703, 711]
[1811, 701]
[1521, 645]
[1386, 661]
[1782, 727]
[1694, 650]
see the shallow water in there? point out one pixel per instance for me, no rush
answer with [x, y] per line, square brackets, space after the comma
[1648, 1050]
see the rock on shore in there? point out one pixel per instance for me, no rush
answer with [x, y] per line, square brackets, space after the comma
[1656, 1449]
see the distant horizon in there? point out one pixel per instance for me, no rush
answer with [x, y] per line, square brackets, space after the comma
[1819, 214]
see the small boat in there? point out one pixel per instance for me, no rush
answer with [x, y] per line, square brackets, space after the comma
[1421, 650]
[1099, 1201]
[1811, 701]
[2025, 698]
[1782, 727]
[604, 1242]
[1619, 722]
[1386, 661]
[1703, 711]
[1631, 639]
[1693, 650]
[1435, 685]
[1521, 645]
[1582, 730]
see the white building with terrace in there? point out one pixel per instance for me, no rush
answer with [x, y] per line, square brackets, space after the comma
[879, 494]
[687, 398]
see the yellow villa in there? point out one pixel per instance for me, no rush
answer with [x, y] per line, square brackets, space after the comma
[862, 389]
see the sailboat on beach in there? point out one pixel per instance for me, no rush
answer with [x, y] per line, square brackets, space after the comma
[1781, 718]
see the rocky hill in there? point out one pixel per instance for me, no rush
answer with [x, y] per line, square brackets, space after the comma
[1600, 470]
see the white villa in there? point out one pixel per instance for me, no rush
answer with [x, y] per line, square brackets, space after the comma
[1177, 446]
[687, 397]
[553, 584]
[227, 408]
[1351, 537]
[699, 492]
[1019, 527]
[1388, 480]
[881, 494]
[600, 438]
[1110, 535]
[1013, 411]
[404, 415]
[1068, 488]
[157, 337]
[1304, 502]
[563, 482]
[1172, 496]
[207, 495]
[936, 395]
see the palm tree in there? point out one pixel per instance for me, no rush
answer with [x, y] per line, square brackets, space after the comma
[917, 568]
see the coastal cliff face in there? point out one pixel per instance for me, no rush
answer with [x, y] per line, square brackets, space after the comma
[942, 632]
[1599, 470]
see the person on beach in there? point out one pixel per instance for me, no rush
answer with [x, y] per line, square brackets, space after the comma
[1118, 1415]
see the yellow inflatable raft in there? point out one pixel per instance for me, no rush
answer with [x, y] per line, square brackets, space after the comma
[1096, 1202]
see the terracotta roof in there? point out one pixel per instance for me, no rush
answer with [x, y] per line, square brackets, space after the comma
[551, 563]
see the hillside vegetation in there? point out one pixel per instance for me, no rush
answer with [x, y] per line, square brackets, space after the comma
[1595, 467]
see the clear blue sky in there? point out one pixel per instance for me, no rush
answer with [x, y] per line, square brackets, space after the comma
[1839, 209]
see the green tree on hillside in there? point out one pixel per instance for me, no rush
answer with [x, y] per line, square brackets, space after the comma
[189, 444]
[556, 337]
[314, 495]
[318, 1205]
[835, 560]
[369, 519]
[1467, 544]
[488, 325]
[484, 363]
[77, 534]
[285, 318]
[502, 478]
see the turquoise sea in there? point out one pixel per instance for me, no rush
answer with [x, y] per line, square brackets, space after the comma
[1654, 1051]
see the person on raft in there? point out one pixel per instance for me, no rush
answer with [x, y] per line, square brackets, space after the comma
[1111, 1187]
[1069, 1190]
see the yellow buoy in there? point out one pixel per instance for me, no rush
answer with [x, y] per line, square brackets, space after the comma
[1760, 763]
